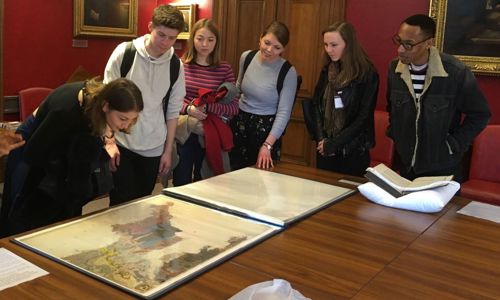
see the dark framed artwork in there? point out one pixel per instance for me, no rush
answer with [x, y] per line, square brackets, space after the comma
[470, 30]
[189, 12]
[105, 18]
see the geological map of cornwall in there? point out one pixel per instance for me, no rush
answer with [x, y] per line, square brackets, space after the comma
[149, 243]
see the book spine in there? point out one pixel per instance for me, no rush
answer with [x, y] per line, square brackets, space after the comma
[382, 184]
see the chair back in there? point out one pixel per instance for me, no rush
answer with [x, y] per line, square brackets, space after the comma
[29, 99]
[485, 164]
[383, 152]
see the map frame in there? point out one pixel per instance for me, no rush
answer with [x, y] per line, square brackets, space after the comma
[72, 248]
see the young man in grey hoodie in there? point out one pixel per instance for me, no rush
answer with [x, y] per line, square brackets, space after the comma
[139, 157]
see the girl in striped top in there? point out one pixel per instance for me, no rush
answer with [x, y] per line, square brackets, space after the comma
[203, 69]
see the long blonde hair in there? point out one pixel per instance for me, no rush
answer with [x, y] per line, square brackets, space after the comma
[355, 63]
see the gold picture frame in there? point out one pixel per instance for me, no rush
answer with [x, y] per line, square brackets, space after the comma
[189, 12]
[105, 18]
[466, 31]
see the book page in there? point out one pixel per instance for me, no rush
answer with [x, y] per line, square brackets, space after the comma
[389, 176]
[430, 182]
[404, 185]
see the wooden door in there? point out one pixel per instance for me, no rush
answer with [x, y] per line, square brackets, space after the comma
[1, 60]
[241, 23]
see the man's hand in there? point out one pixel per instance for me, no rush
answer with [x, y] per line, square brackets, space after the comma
[165, 163]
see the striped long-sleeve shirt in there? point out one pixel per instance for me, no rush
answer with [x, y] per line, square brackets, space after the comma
[209, 77]
[418, 79]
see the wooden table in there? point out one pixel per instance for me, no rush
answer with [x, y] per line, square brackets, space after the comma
[353, 249]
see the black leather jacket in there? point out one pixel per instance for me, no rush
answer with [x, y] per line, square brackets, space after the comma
[430, 134]
[359, 99]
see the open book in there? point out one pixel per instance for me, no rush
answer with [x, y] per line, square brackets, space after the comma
[398, 186]
[262, 195]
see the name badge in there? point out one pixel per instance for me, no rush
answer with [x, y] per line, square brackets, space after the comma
[338, 102]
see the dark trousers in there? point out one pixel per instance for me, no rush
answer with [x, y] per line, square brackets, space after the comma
[135, 177]
[190, 159]
[249, 133]
[354, 164]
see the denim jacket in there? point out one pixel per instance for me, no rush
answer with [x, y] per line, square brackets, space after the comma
[359, 99]
[433, 133]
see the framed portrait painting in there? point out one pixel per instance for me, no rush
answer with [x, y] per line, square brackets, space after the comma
[469, 30]
[189, 13]
[105, 18]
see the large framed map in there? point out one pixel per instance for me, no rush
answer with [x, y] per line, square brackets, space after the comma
[149, 246]
[271, 197]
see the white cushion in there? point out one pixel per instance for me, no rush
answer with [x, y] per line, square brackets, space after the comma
[429, 201]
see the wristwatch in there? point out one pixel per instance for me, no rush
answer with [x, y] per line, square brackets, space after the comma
[268, 146]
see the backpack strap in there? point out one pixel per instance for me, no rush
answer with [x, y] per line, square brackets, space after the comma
[175, 64]
[247, 62]
[281, 77]
[128, 59]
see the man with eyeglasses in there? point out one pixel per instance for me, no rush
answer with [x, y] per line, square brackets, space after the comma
[435, 106]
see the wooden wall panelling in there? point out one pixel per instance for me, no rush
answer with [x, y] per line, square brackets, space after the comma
[241, 23]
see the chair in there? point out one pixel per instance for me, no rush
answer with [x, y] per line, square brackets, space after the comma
[383, 152]
[484, 176]
[29, 99]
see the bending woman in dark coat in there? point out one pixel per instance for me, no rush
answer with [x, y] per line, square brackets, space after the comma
[65, 149]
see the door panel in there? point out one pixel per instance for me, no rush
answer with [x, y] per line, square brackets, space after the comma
[242, 23]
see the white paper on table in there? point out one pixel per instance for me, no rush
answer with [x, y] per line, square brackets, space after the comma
[15, 270]
[481, 210]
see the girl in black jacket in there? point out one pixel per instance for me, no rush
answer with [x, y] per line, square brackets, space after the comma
[344, 103]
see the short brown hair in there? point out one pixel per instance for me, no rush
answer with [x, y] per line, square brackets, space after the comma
[168, 16]
[279, 30]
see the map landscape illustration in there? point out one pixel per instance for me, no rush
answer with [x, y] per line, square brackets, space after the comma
[149, 246]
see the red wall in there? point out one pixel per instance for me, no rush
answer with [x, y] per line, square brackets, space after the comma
[38, 36]
[38, 42]
[376, 21]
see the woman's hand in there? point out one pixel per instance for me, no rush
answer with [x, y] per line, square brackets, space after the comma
[320, 148]
[113, 153]
[198, 112]
[9, 141]
[264, 160]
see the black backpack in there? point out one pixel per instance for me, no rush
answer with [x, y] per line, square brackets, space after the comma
[128, 59]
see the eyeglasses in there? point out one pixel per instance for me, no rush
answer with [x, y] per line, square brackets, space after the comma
[407, 45]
